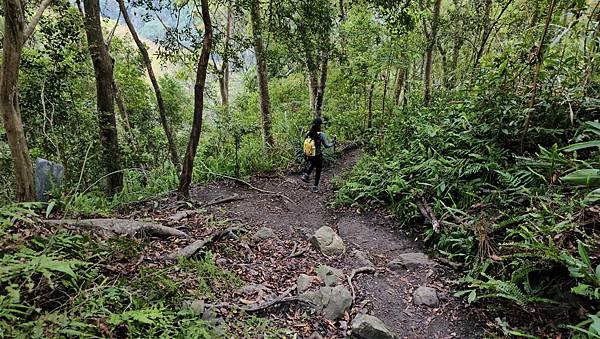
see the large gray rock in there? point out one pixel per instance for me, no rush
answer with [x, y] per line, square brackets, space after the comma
[304, 281]
[48, 177]
[331, 302]
[409, 261]
[426, 296]
[366, 326]
[328, 242]
[263, 233]
[330, 276]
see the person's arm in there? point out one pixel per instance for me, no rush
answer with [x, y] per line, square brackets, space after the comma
[325, 142]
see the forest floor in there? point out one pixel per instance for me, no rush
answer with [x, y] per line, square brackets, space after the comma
[270, 266]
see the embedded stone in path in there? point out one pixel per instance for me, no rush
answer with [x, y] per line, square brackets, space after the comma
[263, 233]
[330, 276]
[409, 261]
[331, 302]
[304, 281]
[366, 326]
[328, 242]
[426, 296]
[362, 258]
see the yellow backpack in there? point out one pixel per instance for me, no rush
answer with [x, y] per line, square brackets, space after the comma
[310, 149]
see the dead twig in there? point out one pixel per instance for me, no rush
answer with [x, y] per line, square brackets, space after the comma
[298, 253]
[428, 214]
[191, 249]
[232, 198]
[247, 184]
[364, 269]
[281, 299]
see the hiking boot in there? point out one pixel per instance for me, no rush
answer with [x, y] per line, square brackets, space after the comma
[314, 189]
[304, 177]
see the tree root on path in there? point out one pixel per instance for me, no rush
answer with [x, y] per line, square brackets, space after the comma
[121, 226]
[232, 198]
[193, 248]
[248, 184]
[281, 299]
[428, 214]
[365, 269]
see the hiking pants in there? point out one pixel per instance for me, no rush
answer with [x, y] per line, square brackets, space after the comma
[316, 163]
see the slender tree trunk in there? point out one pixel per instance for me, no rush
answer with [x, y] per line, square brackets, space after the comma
[591, 56]
[487, 30]
[428, 76]
[159, 99]
[321, 87]
[15, 35]
[313, 82]
[185, 179]
[386, 78]
[342, 11]
[370, 106]
[539, 60]
[103, 67]
[224, 75]
[400, 83]
[444, 61]
[261, 69]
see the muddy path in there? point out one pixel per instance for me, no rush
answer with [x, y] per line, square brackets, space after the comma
[388, 294]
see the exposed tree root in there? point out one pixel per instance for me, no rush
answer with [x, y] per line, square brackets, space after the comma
[193, 248]
[122, 226]
[365, 269]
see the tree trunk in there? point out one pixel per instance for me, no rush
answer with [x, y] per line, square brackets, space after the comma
[261, 69]
[386, 78]
[400, 84]
[224, 74]
[321, 88]
[539, 60]
[313, 83]
[487, 30]
[185, 179]
[103, 68]
[370, 106]
[444, 61]
[159, 99]
[428, 73]
[15, 35]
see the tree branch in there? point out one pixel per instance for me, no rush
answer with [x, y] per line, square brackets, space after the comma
[35, 19]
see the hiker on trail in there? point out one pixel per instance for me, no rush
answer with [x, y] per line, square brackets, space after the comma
[313, 143]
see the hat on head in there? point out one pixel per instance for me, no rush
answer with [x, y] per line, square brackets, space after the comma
[318, 121]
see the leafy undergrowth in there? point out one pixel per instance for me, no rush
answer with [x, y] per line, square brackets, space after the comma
[57, 282]
[523, 229]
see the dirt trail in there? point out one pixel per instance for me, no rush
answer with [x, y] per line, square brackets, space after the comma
[387, 294]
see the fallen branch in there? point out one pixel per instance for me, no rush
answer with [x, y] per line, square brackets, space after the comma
[298, 253]
[452, 264]
[428, 214]
[281, 299]
[365, 269]
[193, 248]
[232, 198]
[247, 184]
[122, 226]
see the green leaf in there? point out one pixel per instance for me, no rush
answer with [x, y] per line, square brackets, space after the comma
[598, 272]
[472, 296]
[588, 177]
[49, 208]
[582, 145]
[583, 253]
[592, 197]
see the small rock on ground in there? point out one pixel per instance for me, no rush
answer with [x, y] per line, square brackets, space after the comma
[304, 281]
[328, 242]
[330, 276]
[263, 233]
[362, 258]
[366, 326]
[331, 302]
[409, 261]
[426, 296]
